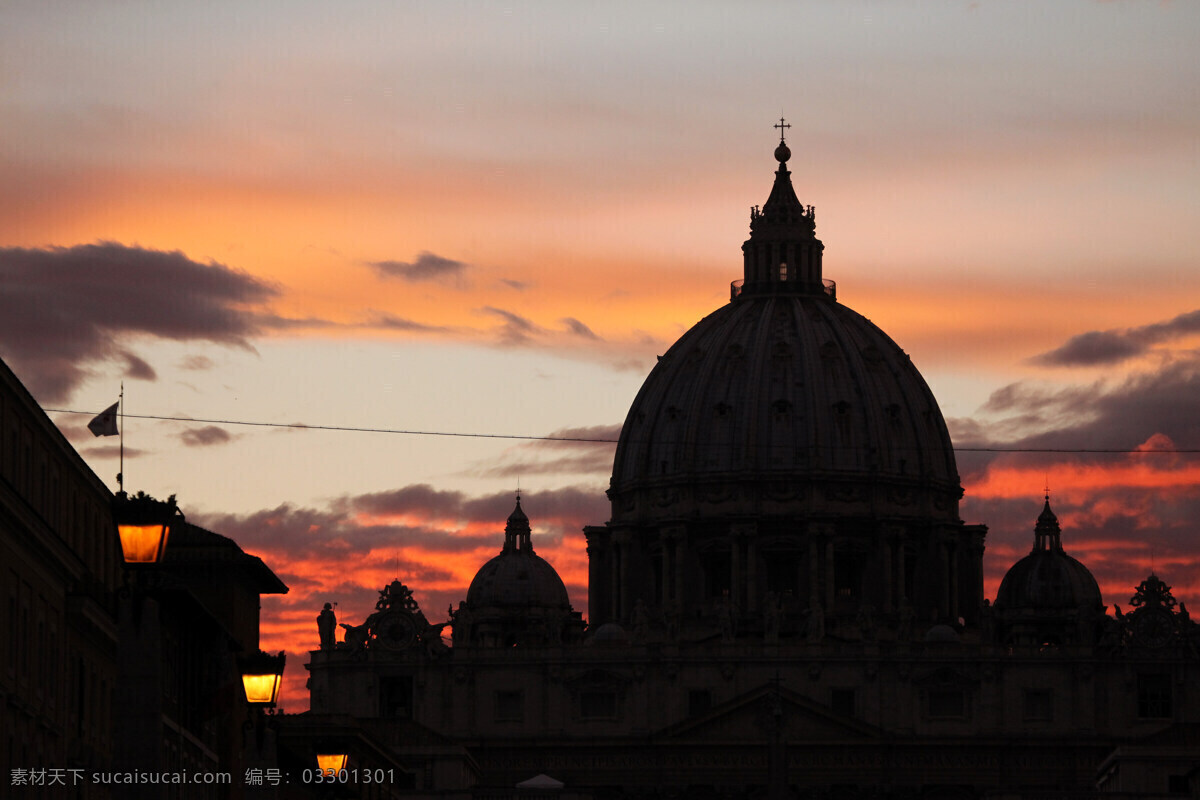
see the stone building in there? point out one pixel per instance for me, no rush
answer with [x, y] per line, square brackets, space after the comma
[108, 669]
[783, 603]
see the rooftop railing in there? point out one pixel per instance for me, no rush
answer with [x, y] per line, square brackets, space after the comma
[827, 286]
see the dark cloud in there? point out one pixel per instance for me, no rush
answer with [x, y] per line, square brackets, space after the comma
[578, 328]
[138, 369]
[276, 322]
[1096, 348]
[1098, 417]
[415, 516]
[206, 436]
[427, 267]
[598, 463]
[520, 286]
[111, 451]
[63, 308]
[599, 434]
[590, 449]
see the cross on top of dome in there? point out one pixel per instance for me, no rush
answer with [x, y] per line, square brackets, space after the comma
[782, 153]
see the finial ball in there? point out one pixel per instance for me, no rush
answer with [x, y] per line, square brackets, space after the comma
[782, 153]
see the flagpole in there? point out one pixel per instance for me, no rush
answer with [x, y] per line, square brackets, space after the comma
[121, 432]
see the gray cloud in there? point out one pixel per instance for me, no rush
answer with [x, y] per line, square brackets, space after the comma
[1097, 416]
[427, 267]
[520, 286]
[591, 456]
[1096, 348]
[299, 533]
[64, 308]
[379, 319]
[578, 328]
[197, 363]
[111, 451]
[516, 329]
[137, 368]
[206, 436]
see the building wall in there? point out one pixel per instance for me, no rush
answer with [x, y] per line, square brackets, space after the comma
[61, 557]
[911, 713]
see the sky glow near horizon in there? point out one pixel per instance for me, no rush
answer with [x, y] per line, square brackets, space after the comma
[491, 217]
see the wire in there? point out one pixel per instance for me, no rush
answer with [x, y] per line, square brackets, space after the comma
[585, 439]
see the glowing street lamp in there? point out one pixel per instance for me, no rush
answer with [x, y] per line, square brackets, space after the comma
[144, 525]
[332, 763]
[262, 675]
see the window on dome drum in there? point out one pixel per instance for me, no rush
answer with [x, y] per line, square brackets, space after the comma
[510, 706]
[1038, 705]
[656, 566]
[783, 271]
[396, 697]
[717, 578]
[782, 570]
[699, 702]
[842, 701]
[847, 574]
[1154, 695]
[947, 704]
[598, 705]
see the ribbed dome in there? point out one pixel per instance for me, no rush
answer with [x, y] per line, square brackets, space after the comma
[517, 578]
[784, 447]
[776, 396]
[1047, 580]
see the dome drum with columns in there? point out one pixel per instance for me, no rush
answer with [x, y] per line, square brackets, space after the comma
[785, 446]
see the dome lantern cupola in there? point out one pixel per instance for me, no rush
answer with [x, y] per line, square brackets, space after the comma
[517, 531]
[783, 253]
[1047, 535]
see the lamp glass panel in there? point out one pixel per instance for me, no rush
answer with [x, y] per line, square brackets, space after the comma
[143, 544]
[261, 689]
[333, 761]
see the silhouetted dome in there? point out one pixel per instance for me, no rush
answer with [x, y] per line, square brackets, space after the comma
[784, 395]
[943, 634]
[517, 578]
[1047, 579]
[787, 390]
[609, 633]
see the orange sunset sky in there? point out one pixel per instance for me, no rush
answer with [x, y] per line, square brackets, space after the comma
[490, 217]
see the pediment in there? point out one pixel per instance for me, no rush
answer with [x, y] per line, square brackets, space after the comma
[751, 718]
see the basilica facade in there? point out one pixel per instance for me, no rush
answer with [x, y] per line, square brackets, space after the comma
[784, 602]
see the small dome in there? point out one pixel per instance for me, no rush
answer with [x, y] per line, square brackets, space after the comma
[517, 578]
[1047, 579]
[609, 633]
[942, 633]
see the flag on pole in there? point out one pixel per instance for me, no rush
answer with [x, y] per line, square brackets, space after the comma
[105, 423]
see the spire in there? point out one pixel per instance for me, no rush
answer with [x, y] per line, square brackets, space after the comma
[517, 531]
[1047, 533]
[783, 252]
